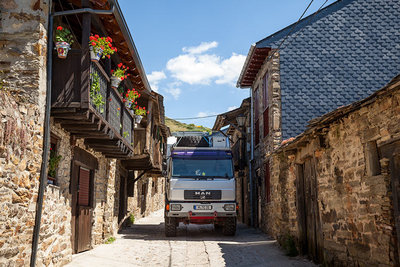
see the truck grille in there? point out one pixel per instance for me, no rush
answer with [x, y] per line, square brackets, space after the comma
[202, 194]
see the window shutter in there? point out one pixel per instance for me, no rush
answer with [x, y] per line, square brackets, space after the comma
[84, 187]
[266, 122]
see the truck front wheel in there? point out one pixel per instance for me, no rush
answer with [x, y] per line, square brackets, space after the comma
[229, 227]
[170, 226]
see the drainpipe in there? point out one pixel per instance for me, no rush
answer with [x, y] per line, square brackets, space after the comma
[46, 134]
[251, 156]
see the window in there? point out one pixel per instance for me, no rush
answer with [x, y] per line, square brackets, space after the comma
[84, 193]
[221, 168]
[54, 160]
[266, 122]
[256, 104]
[256, 117]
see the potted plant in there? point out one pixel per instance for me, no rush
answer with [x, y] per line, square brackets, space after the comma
[95, 93]
[139, 113]
[64, 40]
[118, 75]
[100, 47]
[130, 98]
[54, 160]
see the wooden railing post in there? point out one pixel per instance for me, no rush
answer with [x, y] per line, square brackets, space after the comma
[85, 59]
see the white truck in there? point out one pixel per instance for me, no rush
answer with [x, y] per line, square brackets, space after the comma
[200, 186]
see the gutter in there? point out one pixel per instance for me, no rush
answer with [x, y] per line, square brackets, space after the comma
[246, 63]
[46, 126]
[125, 31]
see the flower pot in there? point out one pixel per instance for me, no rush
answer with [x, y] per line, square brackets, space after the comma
[138, 118]
[95, 53]
[115, 81]
[62, 49]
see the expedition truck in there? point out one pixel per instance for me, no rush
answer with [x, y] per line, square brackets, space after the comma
[200, 186]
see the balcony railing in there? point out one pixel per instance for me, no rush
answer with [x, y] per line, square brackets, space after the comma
[90, 108]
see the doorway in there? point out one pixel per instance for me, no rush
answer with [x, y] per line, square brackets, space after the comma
[122, 199]
[308, 211]
[82, 191]
[391, 152]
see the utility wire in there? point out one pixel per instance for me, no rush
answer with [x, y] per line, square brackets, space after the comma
[297, 33]
[280, 45]
[293, 27]
[194, 118]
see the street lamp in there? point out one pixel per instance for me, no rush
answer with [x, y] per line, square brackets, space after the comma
[241, 119]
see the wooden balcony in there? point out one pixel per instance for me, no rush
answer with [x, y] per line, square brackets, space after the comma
[107, 126]
[149, 149]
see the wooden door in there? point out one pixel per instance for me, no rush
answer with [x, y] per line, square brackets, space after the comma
[84, 210]
[310, 229]
[392, 153]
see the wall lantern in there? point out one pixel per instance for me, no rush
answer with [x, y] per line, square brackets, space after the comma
[241, 119]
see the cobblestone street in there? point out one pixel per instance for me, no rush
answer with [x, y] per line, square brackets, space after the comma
[144, 244]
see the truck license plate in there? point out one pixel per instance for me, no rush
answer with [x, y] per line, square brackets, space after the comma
[202, 207]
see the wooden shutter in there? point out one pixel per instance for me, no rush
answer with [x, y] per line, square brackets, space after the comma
[266, 122]
[257, 132]
[84, 187]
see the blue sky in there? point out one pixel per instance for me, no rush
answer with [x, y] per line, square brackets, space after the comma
[193, 51]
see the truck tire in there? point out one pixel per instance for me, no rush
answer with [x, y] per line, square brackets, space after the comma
[170, 227]
[229, 227]
[217, 227]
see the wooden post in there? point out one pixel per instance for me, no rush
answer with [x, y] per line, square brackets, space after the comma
[85, 57]
[149, 125]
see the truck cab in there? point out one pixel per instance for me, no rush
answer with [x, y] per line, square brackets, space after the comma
[200, 186]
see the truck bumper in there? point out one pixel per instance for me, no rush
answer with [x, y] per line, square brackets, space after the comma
[191, 210]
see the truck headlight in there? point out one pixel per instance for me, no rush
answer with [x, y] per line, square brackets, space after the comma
[176, 207]
[229, 207]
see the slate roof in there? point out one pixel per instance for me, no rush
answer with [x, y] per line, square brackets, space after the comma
[338, 56]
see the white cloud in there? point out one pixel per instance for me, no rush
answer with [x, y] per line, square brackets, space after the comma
[232, 108]
[202, 114]
[231, 68]
[198, 67]
[154, 78]
[203, 47]
[174, 91]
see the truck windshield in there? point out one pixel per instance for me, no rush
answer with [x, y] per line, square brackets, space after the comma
[221, 168]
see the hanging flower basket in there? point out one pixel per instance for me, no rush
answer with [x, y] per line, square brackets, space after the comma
[64, 40]
[118, 75]
[100, 47]
[62, 49]
[115, 81]
[95, 53]
[138, 118]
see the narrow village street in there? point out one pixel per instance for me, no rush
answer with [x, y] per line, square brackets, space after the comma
[144, 244]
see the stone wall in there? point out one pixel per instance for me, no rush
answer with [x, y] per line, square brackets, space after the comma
[55, 246]
[22, 84]
[148, 196]
[355, 207]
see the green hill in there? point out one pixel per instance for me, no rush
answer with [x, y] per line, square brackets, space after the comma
[176, 126]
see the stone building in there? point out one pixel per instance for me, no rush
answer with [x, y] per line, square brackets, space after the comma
[338, 55]
[335, 187]
[99, 153]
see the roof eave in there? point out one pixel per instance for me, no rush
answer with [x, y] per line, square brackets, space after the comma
[245, 66]
[131, 45]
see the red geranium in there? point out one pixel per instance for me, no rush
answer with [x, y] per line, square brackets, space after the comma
[104, 43]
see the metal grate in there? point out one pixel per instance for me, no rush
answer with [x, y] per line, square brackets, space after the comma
[127, 126]
[97, 75]
[115, 111]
